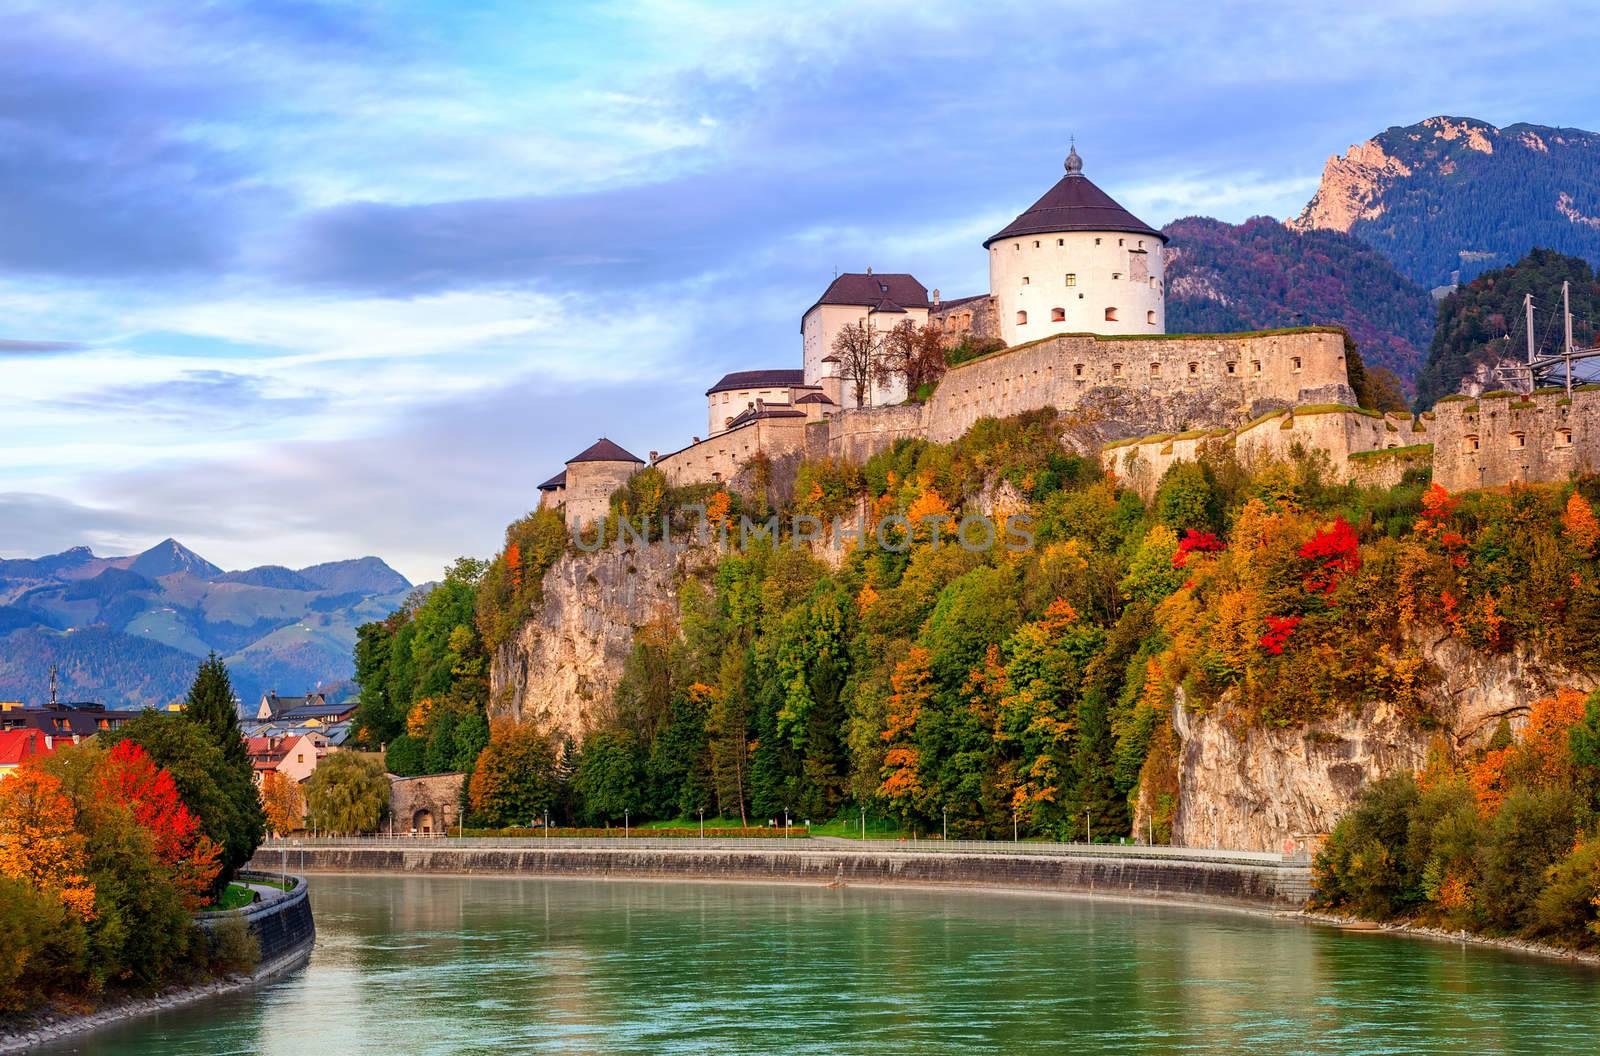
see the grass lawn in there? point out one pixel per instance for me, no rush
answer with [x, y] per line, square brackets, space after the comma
[235, 896]
[847, 827]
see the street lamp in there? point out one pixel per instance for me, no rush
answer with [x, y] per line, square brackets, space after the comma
[863, 822]
[786, 823]
[1088, 829]
[702, 823]
[625, 813]
[944, 833]
[1013, 824]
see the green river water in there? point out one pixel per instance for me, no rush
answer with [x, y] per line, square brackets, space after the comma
[445, 965]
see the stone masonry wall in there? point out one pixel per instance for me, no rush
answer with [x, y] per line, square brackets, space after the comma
[589, 488]
[720, 457]
[438, 794]
[1137, 384]
[1503, 439]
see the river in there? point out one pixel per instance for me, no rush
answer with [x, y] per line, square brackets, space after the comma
[428, 965]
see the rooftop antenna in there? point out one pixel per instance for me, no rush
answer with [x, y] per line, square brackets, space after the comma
[53, 669]
[1566, 312]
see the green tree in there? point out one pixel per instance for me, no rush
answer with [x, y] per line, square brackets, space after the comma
[608, 781]
[405, 756]
[347, 793]
[1186, 500]
[222, 794]
[213, 707]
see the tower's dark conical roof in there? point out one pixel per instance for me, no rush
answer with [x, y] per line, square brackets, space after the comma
[604, 450]
[1074, 204]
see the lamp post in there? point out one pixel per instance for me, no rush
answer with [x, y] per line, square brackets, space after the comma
[944, 833]
[547, 823]
[786, 823]
[863, 822]
[702, 823]
[1088, 831]
[1013, 824]
[625, 814]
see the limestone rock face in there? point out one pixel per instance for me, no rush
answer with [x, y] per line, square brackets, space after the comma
[1352, 189]
[560, 669]
[1254, 789]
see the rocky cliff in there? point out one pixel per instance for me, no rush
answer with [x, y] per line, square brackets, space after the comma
[559, 671]
[1257, 788]
[1454, 194]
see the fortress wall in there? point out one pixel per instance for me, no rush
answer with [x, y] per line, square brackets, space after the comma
[1497, 440]
[589, 487]
[856, 435]
[721, 456]
[1230, 375]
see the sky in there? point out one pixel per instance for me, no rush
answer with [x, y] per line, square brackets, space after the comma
[295, 282]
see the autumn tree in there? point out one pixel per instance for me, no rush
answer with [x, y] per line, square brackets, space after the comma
[915, 355]
[39, 841]
[859, 348]
[283, 803]
[1580, 525]
[132, 778]
[913, 693]
[514, 781]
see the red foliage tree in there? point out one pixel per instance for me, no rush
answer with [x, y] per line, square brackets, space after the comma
[132, 778]
[1279, 629]
[1194, 542]
[1335, 552]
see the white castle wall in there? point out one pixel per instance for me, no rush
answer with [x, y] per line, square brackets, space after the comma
[1108, 270]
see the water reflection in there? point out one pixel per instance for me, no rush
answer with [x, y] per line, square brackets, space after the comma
[448, 965]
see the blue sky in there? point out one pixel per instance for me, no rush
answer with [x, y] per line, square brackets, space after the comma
[301, 281]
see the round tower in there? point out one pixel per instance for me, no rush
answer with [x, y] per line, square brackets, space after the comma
[1076, 262]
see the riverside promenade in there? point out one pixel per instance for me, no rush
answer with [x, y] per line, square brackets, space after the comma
[1248, 879]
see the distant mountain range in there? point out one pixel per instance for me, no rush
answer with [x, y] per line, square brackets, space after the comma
[1457, 195]
[1260, 275]
[129, 631]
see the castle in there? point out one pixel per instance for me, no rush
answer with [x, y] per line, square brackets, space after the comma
[1077, 296]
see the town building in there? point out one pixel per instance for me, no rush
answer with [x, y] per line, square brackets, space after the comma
[79, 720]
[275, 707]
[18, 746]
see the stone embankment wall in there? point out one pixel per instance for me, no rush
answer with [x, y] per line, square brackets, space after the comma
[1253, 881]
[1502, 438]
[1256, 788]
[1371, 448]
[282, 923]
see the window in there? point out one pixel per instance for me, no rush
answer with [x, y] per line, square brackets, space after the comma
[1077, 370]
[1141, 243]
[1563, 437]
[300, 757]
[1150, 317]
[1233, 368]
[1061, 241]
[1472, 443]
[1036, 243]
[1116, 370]
[1294, 363]
[1022, 318]
[1155, 370]
[1097, 241]
[1194, 368]
[1122, 241]
[1255, 366]
[1058, 315]
[1025, 280]
[1111, 315]
[1017, 245]
[1519, 441]
[1072, 279]
[1152, 282]
[1116, 275]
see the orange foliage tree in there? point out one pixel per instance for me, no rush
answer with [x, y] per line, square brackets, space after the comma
[285, 807]
[1539, 758]
[39, 844]
[1580, 524]
[913, 690]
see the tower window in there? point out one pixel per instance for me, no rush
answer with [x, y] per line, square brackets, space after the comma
[1122, 241]
[1111, 315]
[1116, 370]
[1036, 243]
[1097, 241]
[1150, 317]
[1519, 441]
[1016, 245]
[1072, 279]
[1058, 315]
[1116, 274]
[1155, 370]
[1472, 442]
[1141, 243]
[1077, 370]
[1061, 241]
[1024, 280]
[1255, 366]
[1294, 363]
[1233, 368]
[1022, 318]
[1563, 437]
[1194, 368]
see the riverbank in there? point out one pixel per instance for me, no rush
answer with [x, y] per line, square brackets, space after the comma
[1462, 938]
[283, 927]
[1226, 878]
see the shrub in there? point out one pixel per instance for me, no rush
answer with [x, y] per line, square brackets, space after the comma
[234, 949]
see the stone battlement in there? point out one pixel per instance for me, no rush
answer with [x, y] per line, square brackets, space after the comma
[1505, 438]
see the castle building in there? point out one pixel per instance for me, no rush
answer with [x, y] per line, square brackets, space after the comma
[881, 302]
[740, 392]
[585, 486]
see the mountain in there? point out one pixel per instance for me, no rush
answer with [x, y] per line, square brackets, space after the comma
[1455, 194]
[170, 556]
[363, 574]
[269, 576]
[129, 631]
[1484, 320]
[1260, 275]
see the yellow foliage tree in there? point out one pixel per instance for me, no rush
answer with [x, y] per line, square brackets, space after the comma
[285, 807]
[39, 844]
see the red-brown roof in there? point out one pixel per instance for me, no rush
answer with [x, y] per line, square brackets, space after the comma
[18, 746]
[814, 397]
[557, 481]
[604, 450]
[1074, 204]
[756, 379]
[891, 291]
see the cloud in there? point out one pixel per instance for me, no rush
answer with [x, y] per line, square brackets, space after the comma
[38, 524]
[14, 347]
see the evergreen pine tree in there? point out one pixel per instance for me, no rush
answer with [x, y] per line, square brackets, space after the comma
[211, 705]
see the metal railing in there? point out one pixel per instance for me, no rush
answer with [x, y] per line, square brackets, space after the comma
[799, 845]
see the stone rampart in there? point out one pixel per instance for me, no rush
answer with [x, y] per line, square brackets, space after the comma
[1260, 881]
[1504, 438]
[856, 435]
[1133, 385]
[720, 457]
